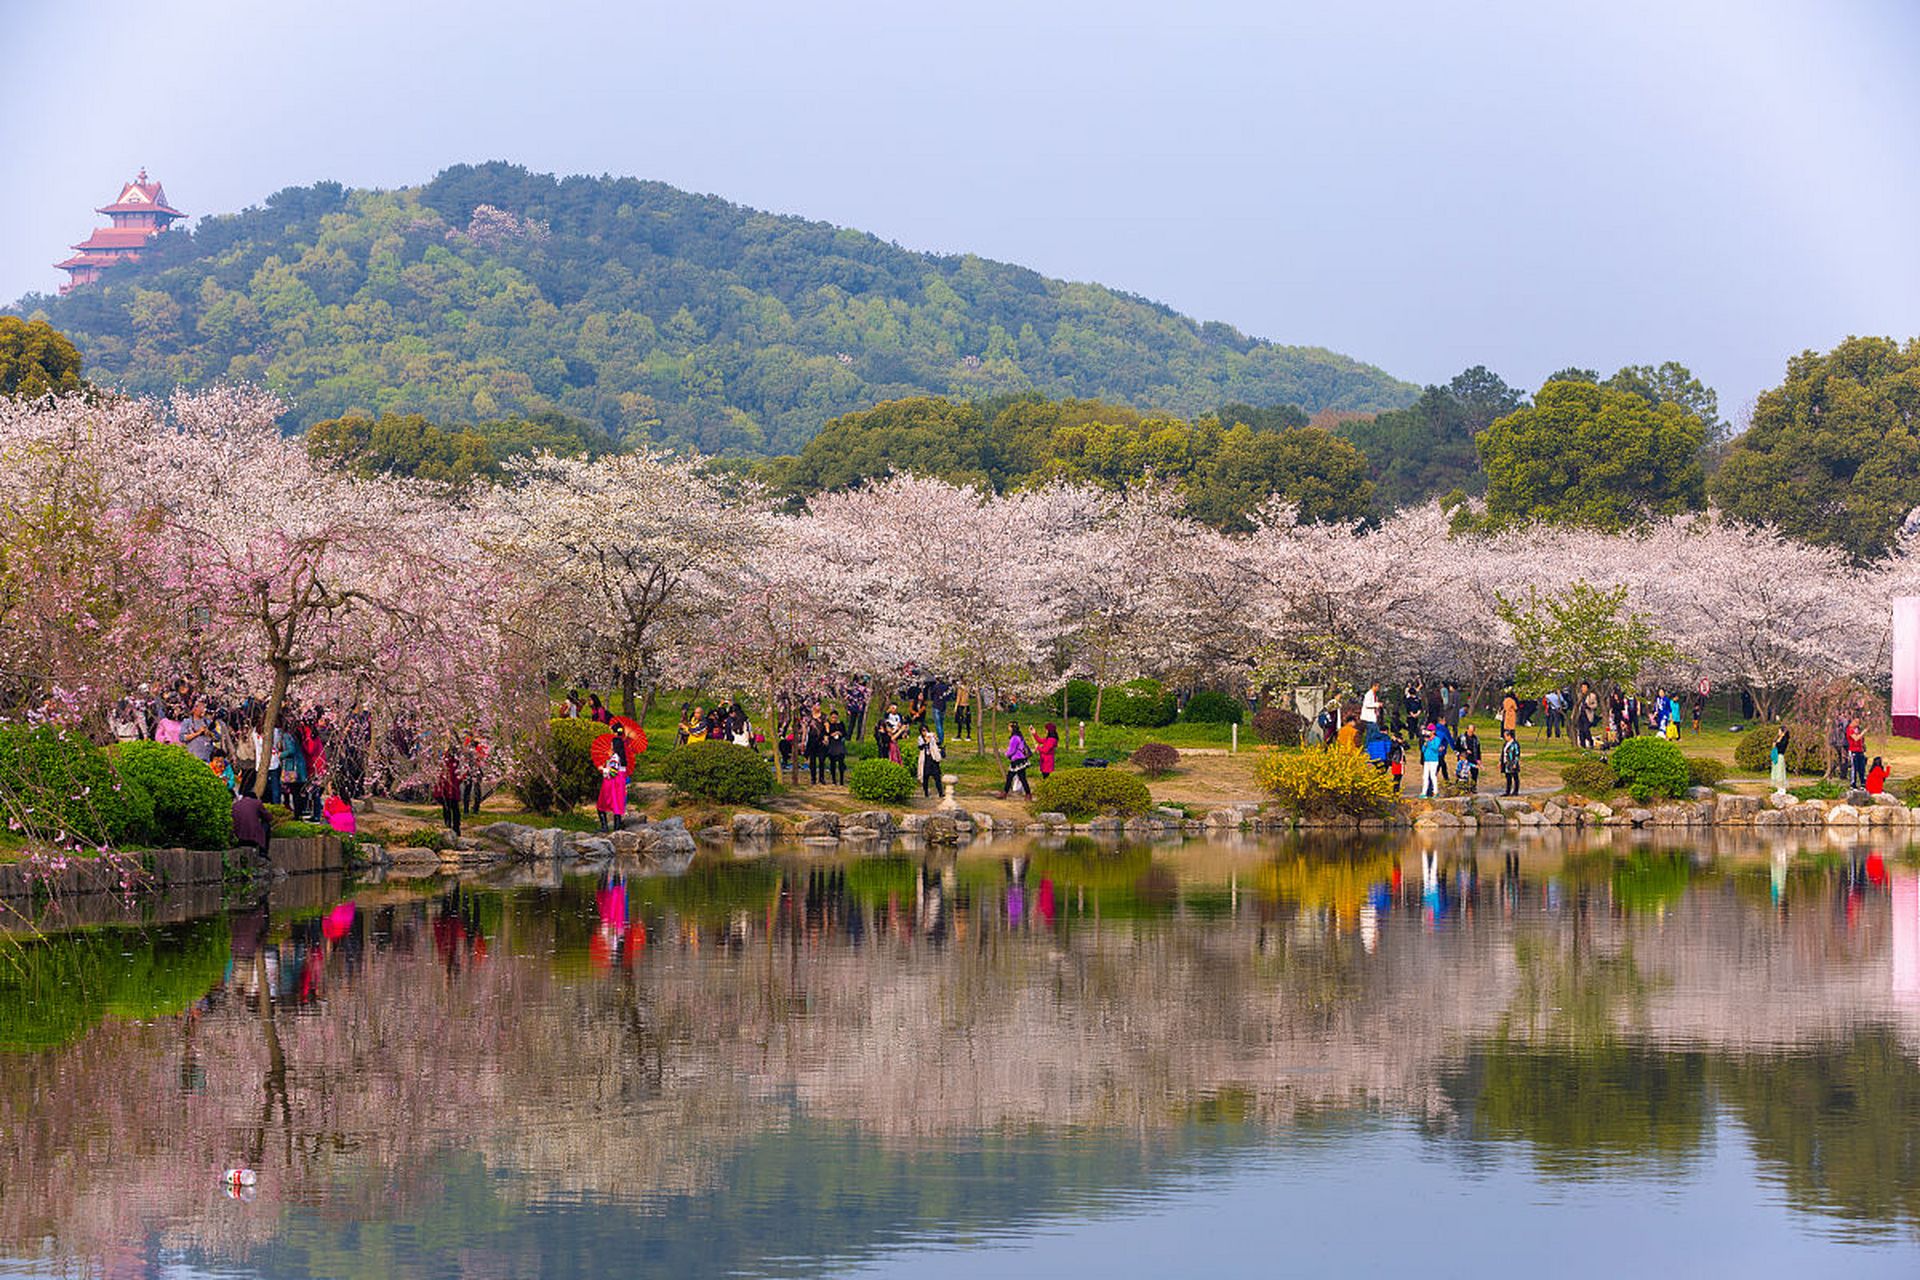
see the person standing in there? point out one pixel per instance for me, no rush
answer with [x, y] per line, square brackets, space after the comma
[856, 700]
[836, 749]
[1777, 758]
[1856, 754]
[1047, 748]
[813, 744]
[1509, 711]
[446, 788]
[1018, 757]
[963, 711]
[612, 803]
[896, 728]
[1510, 761]
[1432, 751]
[928, 766]
[1370, 705]
[939, 694]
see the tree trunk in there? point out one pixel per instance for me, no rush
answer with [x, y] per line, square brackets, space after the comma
[629, 684]
[275, 700]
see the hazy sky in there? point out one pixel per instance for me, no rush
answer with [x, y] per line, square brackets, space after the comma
[1524, 184]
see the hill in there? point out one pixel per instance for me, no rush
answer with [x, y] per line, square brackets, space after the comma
[492, 291]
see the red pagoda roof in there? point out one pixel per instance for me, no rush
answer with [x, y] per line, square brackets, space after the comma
[142, 196]
[116, 238]
[89, 260]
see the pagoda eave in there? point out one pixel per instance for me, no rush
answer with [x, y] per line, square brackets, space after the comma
[160, 209]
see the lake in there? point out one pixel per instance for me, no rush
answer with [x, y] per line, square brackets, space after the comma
[1509, 1056]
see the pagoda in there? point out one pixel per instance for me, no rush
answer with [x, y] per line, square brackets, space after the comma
[139, 213]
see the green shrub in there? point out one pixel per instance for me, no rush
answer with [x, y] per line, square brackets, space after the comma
[298, 830]
[434, 838]
[559, 772]
[1806, 749]
[192, 807]
[1211, 707]
[1156, 759]
[1080, 699]
[1279, 726]
[1908, 791]
[718, 771]
[1085, 793]
[1315, 783]
[1142, 704]
[57, 786]
[1591, 778]
[278, 813]
[1703, 771]
[881, 781]
[1650, 767]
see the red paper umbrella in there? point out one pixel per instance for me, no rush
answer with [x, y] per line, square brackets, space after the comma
[603, 745]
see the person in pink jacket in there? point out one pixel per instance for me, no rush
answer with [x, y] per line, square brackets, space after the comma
[1049, 744]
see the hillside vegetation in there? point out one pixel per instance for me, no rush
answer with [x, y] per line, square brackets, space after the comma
[492, 293]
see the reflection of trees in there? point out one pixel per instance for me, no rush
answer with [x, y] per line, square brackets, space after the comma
[53, 989]
[1840, 1123]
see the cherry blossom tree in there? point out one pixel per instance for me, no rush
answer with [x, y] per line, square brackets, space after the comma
[615, 558]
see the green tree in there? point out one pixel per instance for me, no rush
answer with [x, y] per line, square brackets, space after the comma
[1427, 449]
[36, 359]
[1236, 471]
[1674, 383]
[1833, 453]
[1587, 633]
[1587, 454]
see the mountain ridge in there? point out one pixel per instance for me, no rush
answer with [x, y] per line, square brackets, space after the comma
[645, 309]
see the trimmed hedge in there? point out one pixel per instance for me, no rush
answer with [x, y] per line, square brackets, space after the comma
[562, 774]
[192, 807]
[1703, 771]
[1080, 699]
[1806, 749]
[1650, 767]
[1591, 778]
[719, 771]
[1211, 707]
[1086, 793]
[1139, 704]
[1316, 783]
[1279, 726]
[1156, 759]
[59, 787]
[881, 781]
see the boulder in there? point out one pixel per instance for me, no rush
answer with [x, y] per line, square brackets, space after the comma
[515, 836]
[939, 828]
[1436, 818]
[1169, 812]
[1052, 819]
[753, 826]
[1770, 818]
[412, 856]
[1782, 800]
[1737, 809]
[1701, 795]
[715, 834]
[1859, 797]
[1225, 819]
[1106, 825]
[1597, 813]
[874, 819]
[1808, 814]
[1843, 815]
[913, 824]
[551, 842]
[625, 842]
[1884, 801]
[819, 824]
[595, 848]
[666, 839]
[1639, 817]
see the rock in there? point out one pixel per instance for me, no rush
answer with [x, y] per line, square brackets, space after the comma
[873, 819]
[940, 828]
[1106, 825]
[1782, 800]
[1770, 818]
[1529, 818]
[1809, 814]
[1487, 806]
[550, 843]
[1437, 818]
[1453, 804]
[1138, 827]
[819, 824]
[1225, 819]
[1597, 813]
[1639, 817]
[595, 848]
[715, 834]
[1843, 815]
[1510, 805]
[753, 826]
[666, 839]
[375, 855]
[1736, 809]
[1859, 797]
[513, 835]
[625, 842]
[1884, 801]
[1170, 813]
[1554, 815]
[412, 856]
[1701, 795]
[1051, 819]
[914, 824]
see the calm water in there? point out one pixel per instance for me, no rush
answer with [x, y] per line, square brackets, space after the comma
[1229, 1058]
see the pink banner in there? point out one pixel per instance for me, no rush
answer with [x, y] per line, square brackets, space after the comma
[1906, 666]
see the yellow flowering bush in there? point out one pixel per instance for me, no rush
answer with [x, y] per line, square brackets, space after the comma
[1310, 782]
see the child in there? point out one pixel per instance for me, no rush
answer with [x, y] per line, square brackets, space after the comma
[1510, 761]
[1397, 764]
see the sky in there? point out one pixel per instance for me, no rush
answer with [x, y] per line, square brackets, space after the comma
[1424, 186]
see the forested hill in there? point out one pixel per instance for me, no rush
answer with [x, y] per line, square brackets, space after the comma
[493, 291]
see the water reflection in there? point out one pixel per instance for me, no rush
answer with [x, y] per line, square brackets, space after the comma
[784, 1064]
